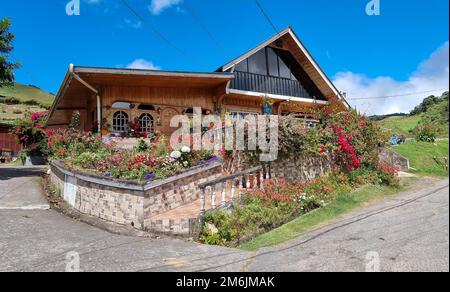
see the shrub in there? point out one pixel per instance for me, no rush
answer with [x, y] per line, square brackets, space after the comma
[31, 102]
[388, 175]
[11, 100]
[263, 210]
[426, 133]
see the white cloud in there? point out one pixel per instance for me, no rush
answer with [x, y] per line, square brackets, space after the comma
[431, 74]
[143, 64]
[133, 24]
[158, 6]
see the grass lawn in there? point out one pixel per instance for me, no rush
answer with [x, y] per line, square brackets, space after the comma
[421, 154]
[342, 204]
[401, 125]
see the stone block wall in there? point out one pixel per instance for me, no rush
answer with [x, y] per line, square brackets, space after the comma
[299, 169]
[133, 204]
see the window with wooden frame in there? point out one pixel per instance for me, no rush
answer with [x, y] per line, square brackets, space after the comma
[146, 123]
[120, 121]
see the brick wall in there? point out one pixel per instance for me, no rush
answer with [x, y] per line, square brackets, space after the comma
[132, 204]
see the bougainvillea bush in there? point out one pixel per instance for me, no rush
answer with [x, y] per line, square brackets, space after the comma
[146, 162]
[31, 135]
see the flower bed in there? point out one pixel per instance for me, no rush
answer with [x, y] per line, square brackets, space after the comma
[280, 202]
[145, 162]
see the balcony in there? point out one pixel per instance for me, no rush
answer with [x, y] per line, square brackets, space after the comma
[268, 84]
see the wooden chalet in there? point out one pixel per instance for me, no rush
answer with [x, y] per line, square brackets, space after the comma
[279, 69]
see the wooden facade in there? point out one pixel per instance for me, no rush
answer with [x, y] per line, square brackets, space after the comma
[8, 141]
[152, 98]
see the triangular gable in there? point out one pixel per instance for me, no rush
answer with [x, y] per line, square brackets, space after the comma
[291, 42]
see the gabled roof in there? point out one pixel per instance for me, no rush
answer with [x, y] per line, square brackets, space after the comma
[302, 55]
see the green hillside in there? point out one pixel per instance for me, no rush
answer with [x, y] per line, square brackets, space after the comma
[26, 93]
[432, 111]
[20, 98]
[401, 125]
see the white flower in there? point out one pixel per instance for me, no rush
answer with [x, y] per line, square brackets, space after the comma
[175, 155]
[186, 149]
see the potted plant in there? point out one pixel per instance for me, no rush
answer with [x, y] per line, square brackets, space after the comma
[267, 106]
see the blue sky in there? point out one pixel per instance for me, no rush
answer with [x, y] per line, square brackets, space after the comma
[403, 50]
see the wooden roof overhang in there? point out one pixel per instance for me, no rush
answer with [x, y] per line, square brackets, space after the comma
[80, 83]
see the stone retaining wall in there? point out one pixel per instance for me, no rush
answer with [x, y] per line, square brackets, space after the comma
[131, 203]
[298, 169]
[395, 159]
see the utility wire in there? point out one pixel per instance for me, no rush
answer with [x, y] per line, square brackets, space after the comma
[202, 25]
[266, 16]
[397, 95]
[157, 32]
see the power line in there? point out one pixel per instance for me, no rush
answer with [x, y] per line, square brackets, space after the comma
[266, 16]
[202, 25]
[398, 95]
[157, 32]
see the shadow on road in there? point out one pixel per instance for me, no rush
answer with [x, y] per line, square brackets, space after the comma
[7, 173]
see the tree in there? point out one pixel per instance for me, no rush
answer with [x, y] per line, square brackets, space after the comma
[6, 40]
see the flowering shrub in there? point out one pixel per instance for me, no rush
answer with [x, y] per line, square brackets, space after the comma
[426, 133]
[348, 138]
[30, 133]
[388, 174]
[146, 162]
[280, 202]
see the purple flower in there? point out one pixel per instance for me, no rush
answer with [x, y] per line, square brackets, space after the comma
[149, 176]
[107, 174]
[213, 159]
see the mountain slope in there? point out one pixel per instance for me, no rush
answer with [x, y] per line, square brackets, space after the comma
[26, 93]
[16, 100]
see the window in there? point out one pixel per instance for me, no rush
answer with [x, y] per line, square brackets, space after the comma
[121, 105]
[242, 114]
[284, 61]
[272, 59]
[190, 111]
[310, 124]
[242, 66]
[120, 121]
[257, 63]
[146, 107]
[146, 123]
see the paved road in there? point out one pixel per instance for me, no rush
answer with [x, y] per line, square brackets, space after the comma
[408, 233]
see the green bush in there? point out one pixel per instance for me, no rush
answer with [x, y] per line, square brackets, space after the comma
[426, 133]
[31, 102]
[11, 100]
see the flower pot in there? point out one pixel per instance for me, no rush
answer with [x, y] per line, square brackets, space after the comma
[104, 132]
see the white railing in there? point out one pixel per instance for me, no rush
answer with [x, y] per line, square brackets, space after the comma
[231, 188]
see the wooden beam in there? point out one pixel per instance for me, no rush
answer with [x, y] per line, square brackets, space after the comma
[71, 108]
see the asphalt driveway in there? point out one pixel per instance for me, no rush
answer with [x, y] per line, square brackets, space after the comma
[408, 233]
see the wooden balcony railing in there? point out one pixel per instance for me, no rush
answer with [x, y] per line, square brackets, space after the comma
[268, 84]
